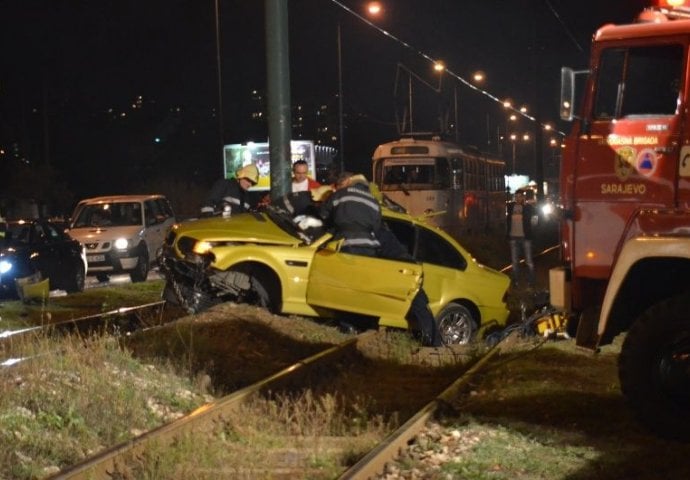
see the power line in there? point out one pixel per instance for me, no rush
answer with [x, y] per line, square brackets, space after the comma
[565, 27]
[433, 61]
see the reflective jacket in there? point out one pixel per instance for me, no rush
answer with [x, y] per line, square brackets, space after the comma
[354, 214]
[226, 191]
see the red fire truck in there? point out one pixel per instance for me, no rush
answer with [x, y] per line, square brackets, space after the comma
[625, 206]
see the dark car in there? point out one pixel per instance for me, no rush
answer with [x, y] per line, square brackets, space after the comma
[40, 249]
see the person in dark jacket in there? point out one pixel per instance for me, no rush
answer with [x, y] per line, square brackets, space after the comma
[519, 231]
[354, 214]
[229, 196]
[419, 315]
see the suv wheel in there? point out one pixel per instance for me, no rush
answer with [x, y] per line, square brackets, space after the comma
[141, 271]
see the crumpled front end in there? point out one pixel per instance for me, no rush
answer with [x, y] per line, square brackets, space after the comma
[192, 283]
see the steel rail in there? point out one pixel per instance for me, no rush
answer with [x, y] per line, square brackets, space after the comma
[86, 324]
[107, 463]
[375, 461]
[543, 253]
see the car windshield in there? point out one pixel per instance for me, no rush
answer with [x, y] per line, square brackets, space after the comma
[118, 214]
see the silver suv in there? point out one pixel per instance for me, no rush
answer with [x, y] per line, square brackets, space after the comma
[121, 233]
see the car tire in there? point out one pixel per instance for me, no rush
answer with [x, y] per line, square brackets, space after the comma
[76, 283]
[653, 368]
[141, 271]
[456, 324]
[263, 292]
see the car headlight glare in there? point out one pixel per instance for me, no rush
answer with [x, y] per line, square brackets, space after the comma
[202, 247]
[121, 244]
[547, 209]
[5, 266]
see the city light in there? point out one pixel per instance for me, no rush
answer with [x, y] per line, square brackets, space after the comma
[374, 8]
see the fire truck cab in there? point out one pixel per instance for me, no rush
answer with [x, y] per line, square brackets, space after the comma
[625, 209]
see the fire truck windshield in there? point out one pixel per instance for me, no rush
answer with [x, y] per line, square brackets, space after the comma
[638, 81]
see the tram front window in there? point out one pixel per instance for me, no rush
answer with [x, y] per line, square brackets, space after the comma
[413, 176]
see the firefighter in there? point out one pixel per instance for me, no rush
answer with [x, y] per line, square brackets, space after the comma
[354, 214]
[230, 195]
[423, 323]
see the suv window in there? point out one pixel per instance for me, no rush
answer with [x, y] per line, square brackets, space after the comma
[164, 207]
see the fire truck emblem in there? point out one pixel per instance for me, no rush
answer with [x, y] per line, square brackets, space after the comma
[646, 162]
[624, 162]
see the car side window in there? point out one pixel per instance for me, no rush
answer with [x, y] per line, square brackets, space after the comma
[404, 232]
[51, 233]
[38, 236]
[436, 250]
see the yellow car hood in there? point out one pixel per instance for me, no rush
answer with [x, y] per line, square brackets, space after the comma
[244, 227]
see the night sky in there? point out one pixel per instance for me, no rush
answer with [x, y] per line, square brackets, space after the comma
[70, 67]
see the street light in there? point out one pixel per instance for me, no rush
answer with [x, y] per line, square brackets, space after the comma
[374, 9]
[513, 138]
[477, 77]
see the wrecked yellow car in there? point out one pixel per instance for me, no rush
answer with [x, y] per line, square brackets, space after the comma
[266, 259]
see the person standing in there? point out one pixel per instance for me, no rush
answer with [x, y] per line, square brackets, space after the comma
[230, 195]
[354, 214]
[419, 315]
[519, 231]
[301, 181]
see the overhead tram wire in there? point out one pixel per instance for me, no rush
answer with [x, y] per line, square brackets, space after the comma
[462, 80]
[568, 33]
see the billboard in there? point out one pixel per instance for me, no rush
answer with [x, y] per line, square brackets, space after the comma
[237, 155]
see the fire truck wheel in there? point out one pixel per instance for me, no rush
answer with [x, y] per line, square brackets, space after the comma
[654, 368]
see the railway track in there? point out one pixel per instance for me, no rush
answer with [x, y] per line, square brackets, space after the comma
[340, 368]
[295, 376]
[120, 321]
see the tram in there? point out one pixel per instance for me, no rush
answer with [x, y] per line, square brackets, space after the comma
[460, 189]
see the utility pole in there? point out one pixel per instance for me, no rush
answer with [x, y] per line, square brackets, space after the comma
[279, 114]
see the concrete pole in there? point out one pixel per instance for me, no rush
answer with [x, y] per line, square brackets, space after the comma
[279, 107]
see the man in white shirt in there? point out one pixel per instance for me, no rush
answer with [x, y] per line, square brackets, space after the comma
[301, 182]
[519, 231]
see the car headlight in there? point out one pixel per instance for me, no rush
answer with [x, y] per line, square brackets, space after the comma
[5, 266]
[202, 247]
[547, 209]
[121, 243]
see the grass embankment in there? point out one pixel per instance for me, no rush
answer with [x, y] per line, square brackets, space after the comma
[15, 314]
[552, 412]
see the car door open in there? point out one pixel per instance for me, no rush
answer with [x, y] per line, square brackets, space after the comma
[361, 284]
